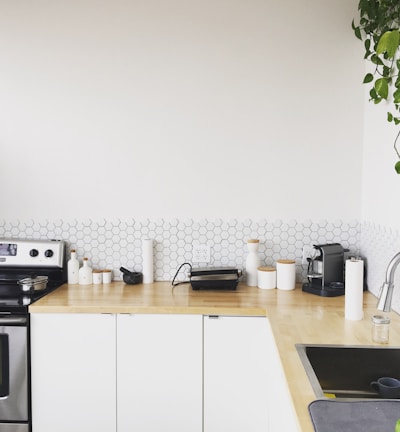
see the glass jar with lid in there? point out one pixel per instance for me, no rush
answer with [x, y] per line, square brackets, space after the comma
[380, 329]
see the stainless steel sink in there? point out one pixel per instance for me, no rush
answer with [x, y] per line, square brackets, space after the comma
[346, 371]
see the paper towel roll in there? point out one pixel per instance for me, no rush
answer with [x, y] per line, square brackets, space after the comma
[147, 256]
[354, 286]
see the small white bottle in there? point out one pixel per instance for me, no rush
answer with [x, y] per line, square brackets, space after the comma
[85, 273]
[252, 262]
[73, 268]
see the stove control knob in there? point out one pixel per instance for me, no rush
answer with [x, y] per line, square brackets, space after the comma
[33, 252]
[48, 253]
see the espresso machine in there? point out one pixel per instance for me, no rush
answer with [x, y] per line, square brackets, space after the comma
[326, 271]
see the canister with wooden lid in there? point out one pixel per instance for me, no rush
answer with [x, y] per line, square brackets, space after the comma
[266, 277]
[286, 274]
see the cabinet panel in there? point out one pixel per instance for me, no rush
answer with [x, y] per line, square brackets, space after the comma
[73, 372]
[236, 374]
[282, 414]
[159, 377]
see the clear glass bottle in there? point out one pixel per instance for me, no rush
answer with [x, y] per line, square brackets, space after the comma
[73, 268]
[380, 329]
[252, 262]
[85, 273]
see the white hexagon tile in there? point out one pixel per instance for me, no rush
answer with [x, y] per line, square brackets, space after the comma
[380, 244]
[115, 243]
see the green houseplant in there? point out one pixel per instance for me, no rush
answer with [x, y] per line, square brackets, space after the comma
[379, 29]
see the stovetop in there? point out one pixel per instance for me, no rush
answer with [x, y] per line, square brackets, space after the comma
[12, 301]
[20, 259]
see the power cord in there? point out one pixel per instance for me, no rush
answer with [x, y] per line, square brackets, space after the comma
[177, 272]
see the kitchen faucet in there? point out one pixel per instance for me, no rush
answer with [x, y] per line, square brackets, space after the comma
[386, 292]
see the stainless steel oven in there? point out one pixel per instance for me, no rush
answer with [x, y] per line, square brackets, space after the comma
[14, 390]
[20, 259]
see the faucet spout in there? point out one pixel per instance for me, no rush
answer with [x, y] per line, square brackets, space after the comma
[386, 292]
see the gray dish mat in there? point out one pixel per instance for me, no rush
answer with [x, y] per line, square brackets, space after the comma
[354, 416]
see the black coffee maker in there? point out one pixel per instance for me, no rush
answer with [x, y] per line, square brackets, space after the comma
[326, 271]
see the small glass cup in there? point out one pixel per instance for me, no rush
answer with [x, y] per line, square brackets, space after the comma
[380, 329]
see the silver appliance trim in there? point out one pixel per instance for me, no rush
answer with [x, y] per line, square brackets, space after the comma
[14, 427]
[14, 406]
[31, 253]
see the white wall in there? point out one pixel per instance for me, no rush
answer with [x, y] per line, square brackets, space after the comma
[381, 183]
[180, 108]
[380, 239]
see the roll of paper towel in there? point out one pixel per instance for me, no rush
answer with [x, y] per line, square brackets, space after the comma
[147, 256]
[354, 287]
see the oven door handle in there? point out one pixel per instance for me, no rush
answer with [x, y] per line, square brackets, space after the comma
[13, 320]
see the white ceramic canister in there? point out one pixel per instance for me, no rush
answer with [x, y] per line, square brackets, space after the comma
[85, 273]
[97, 276]
[266, 277]
[252, 262]
[73, 268]
[286, 274]
[107, 276]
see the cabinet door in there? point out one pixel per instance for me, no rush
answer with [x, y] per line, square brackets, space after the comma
[159, 379]
[236, 374]
[73, 372]
[282, 414]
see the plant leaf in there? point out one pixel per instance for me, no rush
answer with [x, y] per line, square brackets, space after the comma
[357, 32]
[368, 78]
[389, 43]
[376, 60]
[382, 87]
[397, 168]
[389, 117]
[396, 96]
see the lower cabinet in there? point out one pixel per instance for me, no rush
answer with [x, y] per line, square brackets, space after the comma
[159, 373]
[73, 367]
[236, 370]
[155, 373]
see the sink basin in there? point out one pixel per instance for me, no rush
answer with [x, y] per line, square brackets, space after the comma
[345, 372]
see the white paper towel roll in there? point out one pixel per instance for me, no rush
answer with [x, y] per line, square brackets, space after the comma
[147, 256]
[354, 286]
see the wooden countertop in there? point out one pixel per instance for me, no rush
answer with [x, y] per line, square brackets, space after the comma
[295, 317]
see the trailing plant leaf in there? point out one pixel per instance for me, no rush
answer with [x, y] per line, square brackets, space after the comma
[379, 29]
[382, 87]
[396, 96]
[389, 43]
[368, 78]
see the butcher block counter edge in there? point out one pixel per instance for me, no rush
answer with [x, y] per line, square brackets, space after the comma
[295, 317]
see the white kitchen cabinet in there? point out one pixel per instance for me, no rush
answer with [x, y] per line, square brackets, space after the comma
[282, 413]
[159, 384]
[73, 372]
[236, 374]
[126, 373]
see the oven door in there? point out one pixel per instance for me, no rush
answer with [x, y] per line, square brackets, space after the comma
[13, 372]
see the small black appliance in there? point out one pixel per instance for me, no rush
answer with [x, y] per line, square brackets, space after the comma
[326, 271]
[217, 278]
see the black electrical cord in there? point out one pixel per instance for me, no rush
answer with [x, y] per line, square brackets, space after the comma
[177, 272]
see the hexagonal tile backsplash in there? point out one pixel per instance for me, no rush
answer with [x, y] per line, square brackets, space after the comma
[115, 243]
